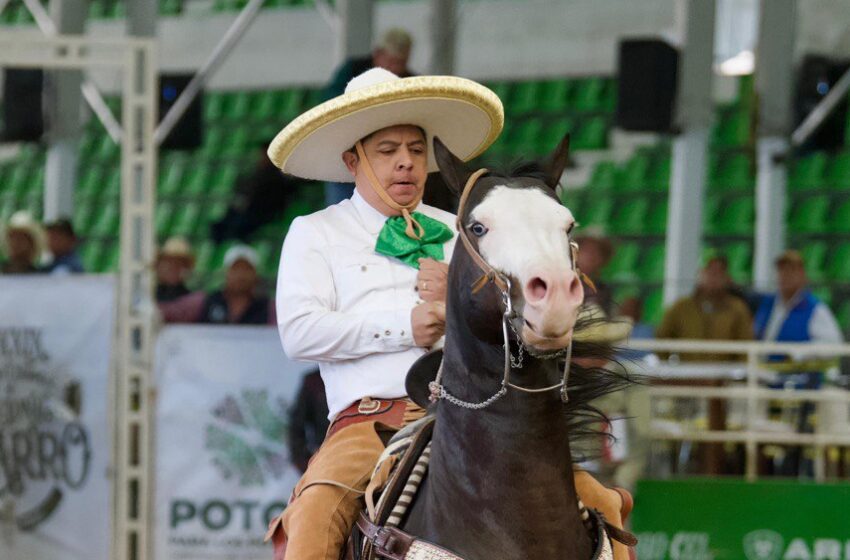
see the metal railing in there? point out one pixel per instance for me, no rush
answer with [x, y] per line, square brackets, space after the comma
[746, 381]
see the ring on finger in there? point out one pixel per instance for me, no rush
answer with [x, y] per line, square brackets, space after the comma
[425, 285]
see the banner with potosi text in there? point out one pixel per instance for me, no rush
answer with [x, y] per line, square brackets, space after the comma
[223, 467]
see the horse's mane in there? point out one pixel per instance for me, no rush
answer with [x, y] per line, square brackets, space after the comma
[516, 170]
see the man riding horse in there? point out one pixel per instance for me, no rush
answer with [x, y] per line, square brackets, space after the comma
[362, 284]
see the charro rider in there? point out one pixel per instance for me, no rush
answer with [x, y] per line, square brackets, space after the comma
[362, 284]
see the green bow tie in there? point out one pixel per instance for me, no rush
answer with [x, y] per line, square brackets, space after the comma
[393, 242]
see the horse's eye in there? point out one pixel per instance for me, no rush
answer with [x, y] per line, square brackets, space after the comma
[478, 229]
[570, 228]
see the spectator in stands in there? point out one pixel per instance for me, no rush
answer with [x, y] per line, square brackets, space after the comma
[794, 314]
[62, 244]
[174, 265]
[308, 420]
[595, 252]
[23, 242]
[392, 53]
[711, 313]
[258, 198]
[238, 303]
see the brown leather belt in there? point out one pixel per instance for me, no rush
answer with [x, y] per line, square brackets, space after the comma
[387, 411]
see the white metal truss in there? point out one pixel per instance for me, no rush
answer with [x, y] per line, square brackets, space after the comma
[132, 377]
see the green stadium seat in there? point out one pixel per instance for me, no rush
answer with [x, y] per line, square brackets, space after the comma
[239, 107]
[163, 217]
[203, 257]
[840, 221]
[214, 106]
[736, 217]
[84, 213]
[186, 219]
[651, 268]
[106, 150]
[838, 265]
[214, 139]
[552, 135]
[91, 182]
[732, 130]
[238, 143]
[656, 218]
[824, 294]
[838, 172]
[223, 180]
[605, 176]
[106, 222]
[630, 217]
[589, 95]
[623, 266]
[18, 180]
[809, 215]
[591, 135]
[268, 257]
[653, 307]
[735, 173]
[111, 257]
[196, 181]
[843, 317]
[502, 89]
[808, 172]
[554, 96]
[815, 257]
[658, 178]
[111, 188]
[170, 7]
[312, 97]
[634, 174]
[740, 258]
[267, 105]
[524, 99]
[90, 253]
[171, 175]
[608, 102]
[523, 141]
[596, 212]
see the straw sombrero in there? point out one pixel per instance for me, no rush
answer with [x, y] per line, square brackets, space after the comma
[23, 222]
[466, 116]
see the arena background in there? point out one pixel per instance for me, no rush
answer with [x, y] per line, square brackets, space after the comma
[121, 437]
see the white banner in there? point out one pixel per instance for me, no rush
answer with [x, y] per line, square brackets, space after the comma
[223, 466]
[55, 339]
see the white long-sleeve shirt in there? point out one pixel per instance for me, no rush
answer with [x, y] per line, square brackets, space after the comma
[341, 304]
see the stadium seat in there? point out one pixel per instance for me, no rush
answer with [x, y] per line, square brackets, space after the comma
[524, 98]
[809, 215]
[90, 253]
[656, 218]
[732, 129]
[814, 256]
[596, 211]
[658, 177]
[238, 107]
[839, 223]
[111, 257]
[163, 218]
[651, 269]
[90, 182]
[186, 219]
[736, 217]
[630, 217]
[554, 96]
[838, 172]
[171, 175]
[623, 266]
[552, 135]
[84, 213]
[106, 222]
[843, 317]
[213, 106]
[733, 173]
[635, 173]
[589, 95]
[605, 176]
[591, 135]
[523, 141]
[740, 258]
[824, 294]
[223, 180]
[653, 307]
[838, 265]
[203, 257]
[808, 172]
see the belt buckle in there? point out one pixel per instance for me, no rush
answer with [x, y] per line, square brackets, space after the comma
[368, 406]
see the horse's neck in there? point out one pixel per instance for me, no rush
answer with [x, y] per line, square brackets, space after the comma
[500, 482]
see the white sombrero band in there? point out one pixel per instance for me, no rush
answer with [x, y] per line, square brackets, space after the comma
[466, 116]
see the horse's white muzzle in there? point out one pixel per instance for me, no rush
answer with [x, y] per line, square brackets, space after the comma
[553, 297]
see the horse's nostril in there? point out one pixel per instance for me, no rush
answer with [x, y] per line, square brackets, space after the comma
[536, 289]
[575, 286]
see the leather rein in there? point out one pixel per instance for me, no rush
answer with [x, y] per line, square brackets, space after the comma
[503, 284]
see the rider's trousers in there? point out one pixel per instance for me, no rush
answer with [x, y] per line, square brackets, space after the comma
[320, 515]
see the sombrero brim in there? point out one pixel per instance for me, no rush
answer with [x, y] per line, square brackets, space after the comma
[33, 231]
[421, 373]
[466, 116]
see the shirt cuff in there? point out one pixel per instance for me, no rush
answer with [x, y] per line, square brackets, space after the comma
[391, 330]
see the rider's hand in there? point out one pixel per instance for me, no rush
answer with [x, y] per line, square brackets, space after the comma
[429, 322]
[432, 280]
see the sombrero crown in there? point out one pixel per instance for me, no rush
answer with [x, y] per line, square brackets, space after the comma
[466, 116]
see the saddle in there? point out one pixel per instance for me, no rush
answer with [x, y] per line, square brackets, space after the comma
[395, 480]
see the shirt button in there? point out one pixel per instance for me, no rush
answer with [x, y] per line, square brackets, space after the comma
[402, 333]
[363, 268]
[377, 335]
[387, 333]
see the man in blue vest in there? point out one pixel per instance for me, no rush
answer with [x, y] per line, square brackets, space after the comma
[795, 314]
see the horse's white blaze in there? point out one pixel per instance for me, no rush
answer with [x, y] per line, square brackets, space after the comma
[527, 231]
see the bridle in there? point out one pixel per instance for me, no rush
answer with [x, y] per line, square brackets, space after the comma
[503, 284]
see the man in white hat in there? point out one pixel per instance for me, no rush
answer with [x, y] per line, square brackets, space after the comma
[174, 265]
[23, 241]
[362, 284]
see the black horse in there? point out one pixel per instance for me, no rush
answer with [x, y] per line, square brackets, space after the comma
[500, 480]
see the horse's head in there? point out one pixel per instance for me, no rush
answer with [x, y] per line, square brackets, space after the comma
[520, 229]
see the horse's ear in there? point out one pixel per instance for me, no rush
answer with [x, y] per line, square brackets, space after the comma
[452, 169]
[557, 162]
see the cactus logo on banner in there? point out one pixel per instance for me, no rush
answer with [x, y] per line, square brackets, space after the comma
[247, 439]
[45, 451]
[763, 544]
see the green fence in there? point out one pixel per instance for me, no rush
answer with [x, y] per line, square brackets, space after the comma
[704, 519]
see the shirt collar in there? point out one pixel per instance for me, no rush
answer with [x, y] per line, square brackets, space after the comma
[372, 220]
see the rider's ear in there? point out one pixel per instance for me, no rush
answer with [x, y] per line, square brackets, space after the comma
[557, 162]
[453, 171]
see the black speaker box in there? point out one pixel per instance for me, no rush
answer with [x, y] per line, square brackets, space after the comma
[816, 76]
[646, 82]
[187, 134]
[23, 120]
